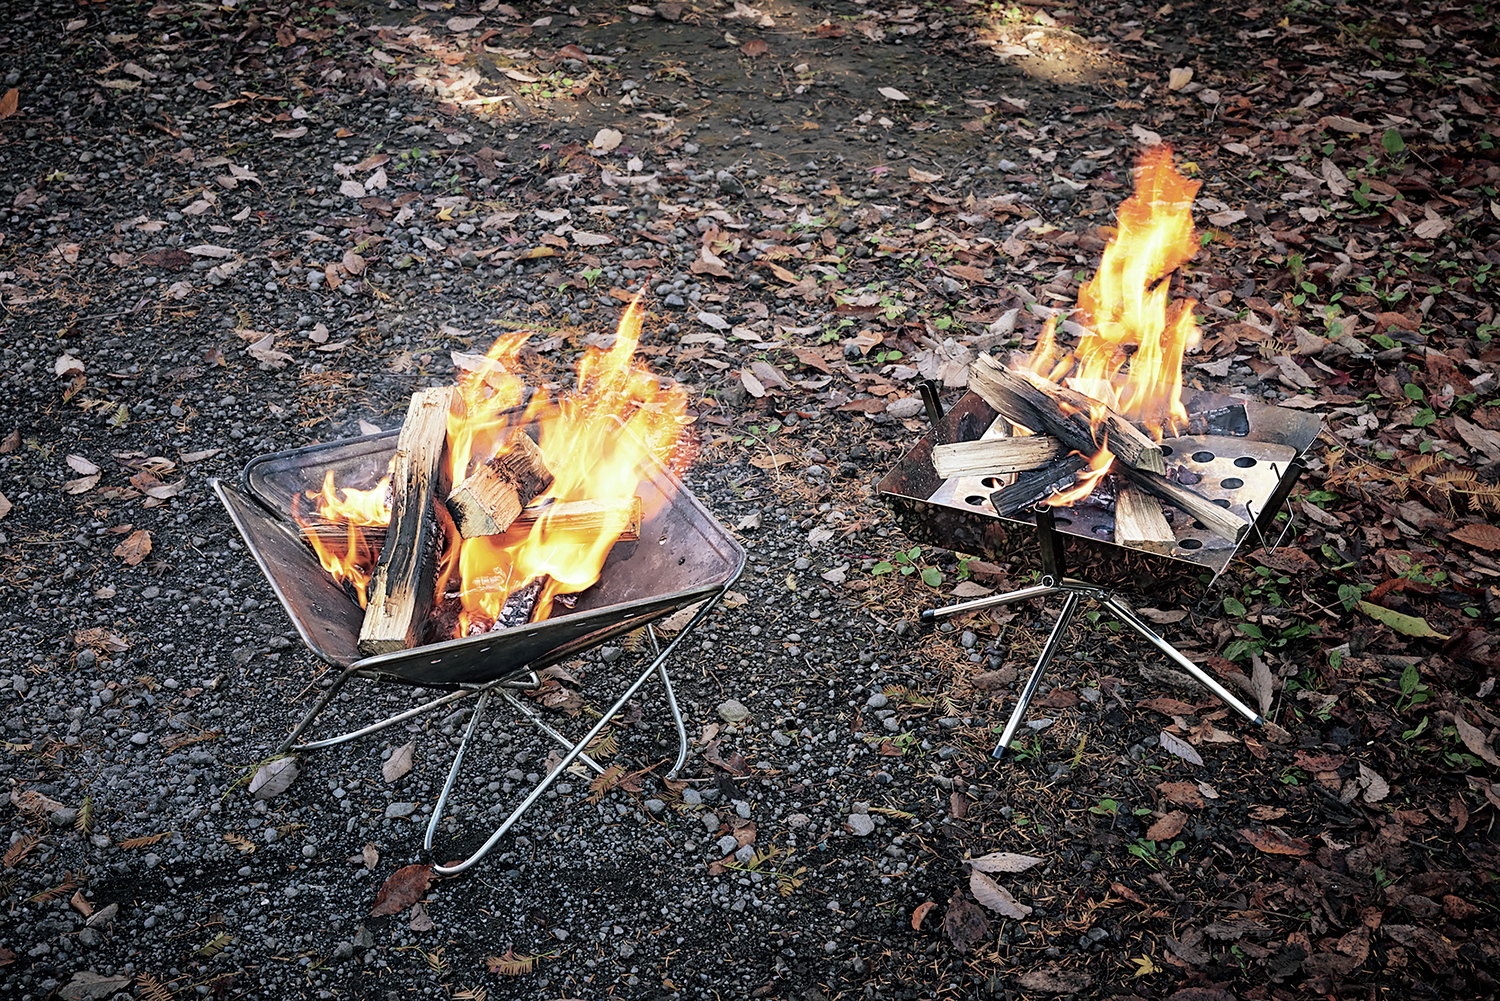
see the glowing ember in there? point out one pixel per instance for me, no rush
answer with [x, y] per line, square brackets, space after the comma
[600, 441]
[1130, 358]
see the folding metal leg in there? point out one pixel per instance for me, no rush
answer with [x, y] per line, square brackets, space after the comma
[657, 667]
[1054, 640]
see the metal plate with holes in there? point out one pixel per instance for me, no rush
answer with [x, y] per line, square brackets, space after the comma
[1235, 473]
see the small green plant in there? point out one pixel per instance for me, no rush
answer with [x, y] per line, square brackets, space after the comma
[591, 275]
[909, 563]
[1413, 692]
[1106, 808]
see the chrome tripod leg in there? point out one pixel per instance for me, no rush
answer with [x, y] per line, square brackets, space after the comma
[458, 760]
[343, 738]
[655, 667]
[315, 711]
[542, 725]
[1128, 617]
[978, 604]
[1054, 640]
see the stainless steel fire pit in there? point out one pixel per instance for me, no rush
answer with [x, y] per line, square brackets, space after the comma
[683, 557]
[1072, 550]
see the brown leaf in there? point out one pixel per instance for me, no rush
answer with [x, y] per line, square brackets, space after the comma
[755, 47]
[996, 897]
[1168, 706]
[772, 462]
[399, 763]
[5, 506]
[81, 904]
[10, 102]
[752, 385]
[1167, 827]
[1274, 843]
[1181, 794]
[920, 913]
[135, 548]
[1474, 739]
[1479, 534]
[404, 888]
[1055, 980]
[965, 924]
[168, 257]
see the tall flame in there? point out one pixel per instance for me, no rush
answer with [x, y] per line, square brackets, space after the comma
[600, 442]
[1127, 306]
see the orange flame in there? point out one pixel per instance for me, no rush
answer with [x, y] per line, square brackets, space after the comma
[600, 442]
[1127, 305]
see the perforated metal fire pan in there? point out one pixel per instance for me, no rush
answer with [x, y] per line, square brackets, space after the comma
[682, 557]
[956, 514]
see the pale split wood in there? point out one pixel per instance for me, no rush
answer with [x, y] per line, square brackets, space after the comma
[401, 591]
[616, 516]
[493, 496]
[1140, 523]
[989, 456]
[1064, 414]
[1220, 521]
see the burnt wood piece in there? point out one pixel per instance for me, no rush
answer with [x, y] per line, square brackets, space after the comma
[1221, 521]
[1231, 421]
[1140, 523]
[988, 456]
[519, 605]
[1064, 414]
[493, 496]
[401, 590]
[585, 517]
[1035, 484]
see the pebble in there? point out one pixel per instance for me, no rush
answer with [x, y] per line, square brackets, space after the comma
[400, 810]
[861, 824]
[727, 844]
[732, 711]
[878, 701]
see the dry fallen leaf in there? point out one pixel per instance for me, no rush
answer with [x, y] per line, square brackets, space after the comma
[1005, 862]
[922, 176]
[920, 913]
[1167, 827]
[404, 888]
[274, 777]
[965, 924]
[607, 139]
[996, 897]
[1181, 748]
[891, 93]
[1474, 739]
[66, 367]
[399, 763]
[136, 547]
[1274, 843]
[10, 102]
[1180, 77]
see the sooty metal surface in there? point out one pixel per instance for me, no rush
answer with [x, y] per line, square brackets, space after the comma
[1251, 475]
[683, 556]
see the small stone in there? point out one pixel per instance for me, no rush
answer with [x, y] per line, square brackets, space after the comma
[140, 739]
[399, 810]
[797, 820]
[742, 809]
[655, 807]
[733, 711]
[861, 824]
[877, 701]
[727, 844]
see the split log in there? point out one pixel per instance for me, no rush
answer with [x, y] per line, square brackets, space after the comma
[1064, 414]
[1219, 520]
[585, 518]
[493, 496]
[1033, 485]
[1140, 523]
[989, 456]
[401, 590]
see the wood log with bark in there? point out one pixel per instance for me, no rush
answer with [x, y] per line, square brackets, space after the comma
[1064, 414]
[585, 518]
[401, 591]
[1033, 485]
[496, 493]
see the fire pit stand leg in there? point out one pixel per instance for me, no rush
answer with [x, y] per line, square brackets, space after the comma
[656, 667]
[1054, 640]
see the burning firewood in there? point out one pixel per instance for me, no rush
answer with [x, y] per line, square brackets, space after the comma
[494, 495]
[988, 456]
[1218, 520]
[401, 592]
[1064, 414]
[1140, 523]
[614, 516]
[1033, 485]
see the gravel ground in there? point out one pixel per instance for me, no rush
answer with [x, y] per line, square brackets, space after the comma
[140, 693]
[237, 230]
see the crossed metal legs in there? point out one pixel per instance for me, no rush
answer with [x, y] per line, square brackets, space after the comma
[504, 688]
[1074, 590]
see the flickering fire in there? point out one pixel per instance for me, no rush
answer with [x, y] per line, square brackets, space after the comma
[601, 440]
[1130, 358]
